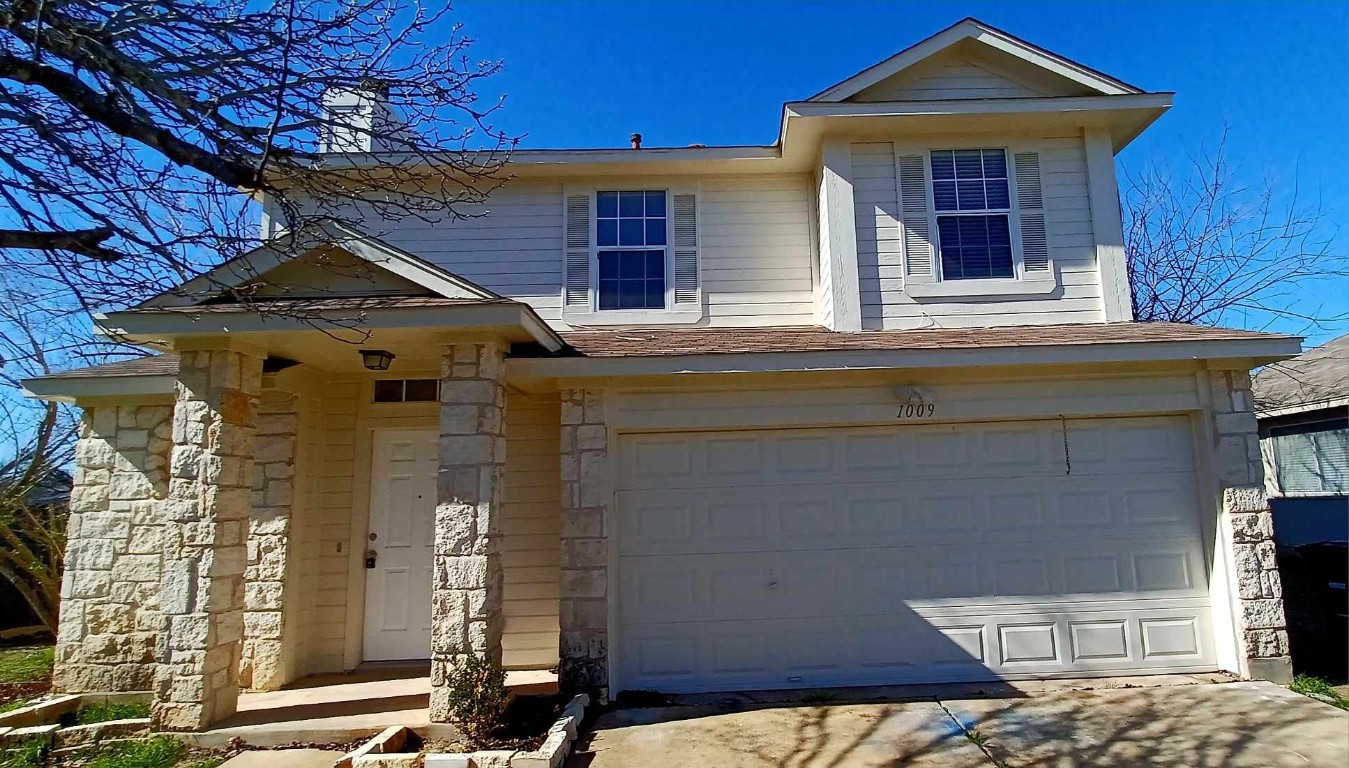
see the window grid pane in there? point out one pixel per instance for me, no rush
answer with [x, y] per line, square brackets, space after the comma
[975, 247]
[632, 280]
[625, 222]
[970, 180]
[972, 243]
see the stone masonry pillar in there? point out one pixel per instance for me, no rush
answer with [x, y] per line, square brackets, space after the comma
[466, 595]
[267, 651]
[206, 519]
[1247, 530]
[110, 620]
[583, 613]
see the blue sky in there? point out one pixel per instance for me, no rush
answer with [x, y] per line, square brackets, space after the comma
[588, 74]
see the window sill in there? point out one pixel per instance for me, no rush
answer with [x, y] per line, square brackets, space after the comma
[1009, 287]
[633, 317]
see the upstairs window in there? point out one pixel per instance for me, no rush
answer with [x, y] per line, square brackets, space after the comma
[971, 197]
[631, 228]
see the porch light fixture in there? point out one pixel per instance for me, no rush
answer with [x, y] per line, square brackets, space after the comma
[376, 359]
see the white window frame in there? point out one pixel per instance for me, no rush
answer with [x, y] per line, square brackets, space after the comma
[593, 315]
[1011, 212]
[1019, 284]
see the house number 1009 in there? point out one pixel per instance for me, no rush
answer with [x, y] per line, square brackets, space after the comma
[915, 410]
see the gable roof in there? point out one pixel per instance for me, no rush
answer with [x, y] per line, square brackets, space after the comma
[286, 248]
[974, 30]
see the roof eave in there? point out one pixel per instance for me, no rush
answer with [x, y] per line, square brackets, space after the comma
[1256, 351]
[146, 327]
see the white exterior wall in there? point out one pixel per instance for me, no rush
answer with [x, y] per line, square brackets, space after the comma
[754, 238]
[1072, 241]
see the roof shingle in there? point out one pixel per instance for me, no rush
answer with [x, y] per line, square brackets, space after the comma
[713, 341]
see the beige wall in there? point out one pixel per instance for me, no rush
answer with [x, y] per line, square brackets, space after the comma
[334, 484]
[531, 525]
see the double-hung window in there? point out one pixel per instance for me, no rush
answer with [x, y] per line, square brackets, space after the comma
[630, 235]
[973, 206]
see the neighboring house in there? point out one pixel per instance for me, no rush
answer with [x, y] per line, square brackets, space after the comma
[866, 405]
[1303, 408]
[51, 490]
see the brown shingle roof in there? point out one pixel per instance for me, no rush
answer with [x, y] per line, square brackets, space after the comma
[665, 342]
[714, 341]
[1319, 375]
[153, 365]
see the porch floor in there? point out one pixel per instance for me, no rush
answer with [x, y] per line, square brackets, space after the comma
[341, 708]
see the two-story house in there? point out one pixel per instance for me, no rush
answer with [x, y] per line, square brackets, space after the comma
[865, 405]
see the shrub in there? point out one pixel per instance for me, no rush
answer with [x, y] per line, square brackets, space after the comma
[476, 696]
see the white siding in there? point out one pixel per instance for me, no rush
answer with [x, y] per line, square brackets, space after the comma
[945, 77]
[531, 525]
[754, 237]
[512, 245]
[825, 289]
[1063, 167]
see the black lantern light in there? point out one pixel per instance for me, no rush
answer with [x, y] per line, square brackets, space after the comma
[376, 359]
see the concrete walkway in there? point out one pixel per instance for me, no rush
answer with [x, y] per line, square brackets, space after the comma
[1192, 724]
[284, 758]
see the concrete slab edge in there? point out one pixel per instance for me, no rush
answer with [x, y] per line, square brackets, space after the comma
[381, 751]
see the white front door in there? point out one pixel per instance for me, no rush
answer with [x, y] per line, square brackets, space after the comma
[935, 553]
[402, 530]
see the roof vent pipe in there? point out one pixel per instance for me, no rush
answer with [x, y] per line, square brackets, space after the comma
[636, 140]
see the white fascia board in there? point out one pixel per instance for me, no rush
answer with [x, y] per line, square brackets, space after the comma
[979, 106]
[160, 325]
[1289, 410]
[770, 362]
[559, 159]
[71, 390]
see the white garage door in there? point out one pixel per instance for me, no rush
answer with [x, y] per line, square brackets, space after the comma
[799, 558]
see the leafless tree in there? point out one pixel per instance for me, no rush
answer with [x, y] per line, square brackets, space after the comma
[37, 336]
[135, 136]
[134, 132]
[1203, 248]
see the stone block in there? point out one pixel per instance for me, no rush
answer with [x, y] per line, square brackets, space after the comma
[591, 437]
[585, 553]
[263, 595]
[178, 587]
[130, 485]
[263, 624]
[1262, 614]
[137, 568]
[594, 480]
[461, 572]
[1245, 499]
[465, 450]
[582, 523]
[468, 391]
[584, 583]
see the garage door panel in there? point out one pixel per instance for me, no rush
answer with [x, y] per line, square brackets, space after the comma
[905, 514]
[935, 452]
[793, 558]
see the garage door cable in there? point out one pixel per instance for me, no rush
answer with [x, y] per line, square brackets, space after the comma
[1067, 461]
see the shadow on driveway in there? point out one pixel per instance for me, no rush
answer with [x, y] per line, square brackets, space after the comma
[1228, 724]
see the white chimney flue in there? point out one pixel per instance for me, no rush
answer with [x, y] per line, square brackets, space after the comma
[356, 119]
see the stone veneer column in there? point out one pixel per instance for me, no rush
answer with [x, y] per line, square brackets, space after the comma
[1247, 529]
[583, 612]
[467, 588]
[206, 517]
[110, 618]
[265, 663]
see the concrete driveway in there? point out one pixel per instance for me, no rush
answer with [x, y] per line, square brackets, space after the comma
[1167, 724]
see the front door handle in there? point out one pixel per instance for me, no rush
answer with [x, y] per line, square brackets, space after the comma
[369, 559]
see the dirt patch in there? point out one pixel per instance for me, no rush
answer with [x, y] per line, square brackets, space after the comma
[525, 726]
